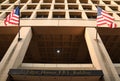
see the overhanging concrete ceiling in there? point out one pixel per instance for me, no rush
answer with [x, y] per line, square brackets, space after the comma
[46, 41]
[7, 34]
[111, 40]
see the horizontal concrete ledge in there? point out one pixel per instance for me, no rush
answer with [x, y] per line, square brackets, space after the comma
[57, 66]
[117, 65]
[58, 22]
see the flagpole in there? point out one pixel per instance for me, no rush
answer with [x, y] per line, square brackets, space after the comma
[97, 26]
[19, 37]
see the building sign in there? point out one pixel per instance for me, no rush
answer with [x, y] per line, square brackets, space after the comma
[56, 72]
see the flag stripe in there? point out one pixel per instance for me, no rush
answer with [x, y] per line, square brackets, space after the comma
[101, 23]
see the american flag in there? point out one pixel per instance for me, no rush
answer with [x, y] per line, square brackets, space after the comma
[13, 17]
[104, 18]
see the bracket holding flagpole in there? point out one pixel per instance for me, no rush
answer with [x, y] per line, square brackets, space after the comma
[19, 38]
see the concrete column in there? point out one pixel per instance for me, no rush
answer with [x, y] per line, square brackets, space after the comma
[100, 56]
[16, 52]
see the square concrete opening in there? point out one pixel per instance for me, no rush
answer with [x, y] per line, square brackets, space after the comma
[57, 45]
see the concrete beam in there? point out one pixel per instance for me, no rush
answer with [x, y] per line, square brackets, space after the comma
[91, 43]
[62, 22]
[57, 66]
[16, 52]
[117, 67]
[100, 56]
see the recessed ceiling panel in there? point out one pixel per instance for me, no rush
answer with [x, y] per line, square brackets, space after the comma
[57, 45]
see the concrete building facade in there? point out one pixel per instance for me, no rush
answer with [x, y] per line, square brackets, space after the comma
[59, 41]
